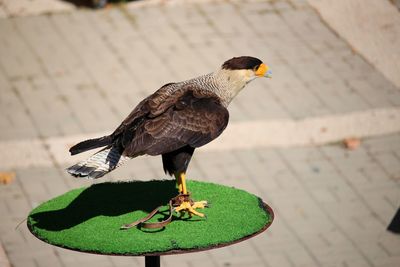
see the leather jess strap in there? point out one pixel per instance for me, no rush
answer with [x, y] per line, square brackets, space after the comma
[174, 202]
[151, 225]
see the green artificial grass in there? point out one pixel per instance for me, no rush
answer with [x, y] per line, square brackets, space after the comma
[88, 219]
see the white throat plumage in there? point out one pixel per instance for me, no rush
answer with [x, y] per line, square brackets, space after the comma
[231, 82]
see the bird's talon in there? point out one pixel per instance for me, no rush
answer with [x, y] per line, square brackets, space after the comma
[190, 207]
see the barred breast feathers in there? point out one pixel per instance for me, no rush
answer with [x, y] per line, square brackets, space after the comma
[226, 84]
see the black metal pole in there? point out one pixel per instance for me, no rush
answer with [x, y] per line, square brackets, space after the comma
[152, 261]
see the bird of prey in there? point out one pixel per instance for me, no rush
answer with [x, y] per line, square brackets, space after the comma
[173, 122]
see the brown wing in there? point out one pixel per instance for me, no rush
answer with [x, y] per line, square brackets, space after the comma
[151, 106]
[191, 118]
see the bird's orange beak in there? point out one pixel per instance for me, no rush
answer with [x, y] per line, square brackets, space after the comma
[263, 71]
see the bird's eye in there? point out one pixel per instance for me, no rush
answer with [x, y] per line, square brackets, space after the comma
[256, 68]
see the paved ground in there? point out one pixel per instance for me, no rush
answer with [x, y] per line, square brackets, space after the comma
[374, 32]
[81, 72]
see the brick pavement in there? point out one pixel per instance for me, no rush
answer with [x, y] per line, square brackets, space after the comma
[377, 38]
[57, 72]
[109, 59]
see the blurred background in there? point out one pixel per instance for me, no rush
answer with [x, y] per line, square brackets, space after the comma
[319, 142]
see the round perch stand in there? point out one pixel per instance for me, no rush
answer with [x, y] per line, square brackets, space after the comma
[89, 219]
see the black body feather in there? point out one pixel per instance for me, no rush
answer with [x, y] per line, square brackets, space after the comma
[90, 144]
[178, 160]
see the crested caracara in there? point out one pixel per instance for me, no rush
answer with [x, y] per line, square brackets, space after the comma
[173, 122]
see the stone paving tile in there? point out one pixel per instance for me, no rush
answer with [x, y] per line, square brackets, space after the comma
[16, 58]
[32, 7]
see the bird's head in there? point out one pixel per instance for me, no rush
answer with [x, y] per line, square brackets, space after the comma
[236, 72]
[246, 68]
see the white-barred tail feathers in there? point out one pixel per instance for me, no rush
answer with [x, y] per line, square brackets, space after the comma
[98, 164]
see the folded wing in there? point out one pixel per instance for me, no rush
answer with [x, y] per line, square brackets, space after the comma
[195, 118]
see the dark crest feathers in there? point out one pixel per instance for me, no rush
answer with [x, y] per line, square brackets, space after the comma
[240, 63]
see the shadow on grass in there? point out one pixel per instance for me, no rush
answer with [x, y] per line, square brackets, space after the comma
[108, 199]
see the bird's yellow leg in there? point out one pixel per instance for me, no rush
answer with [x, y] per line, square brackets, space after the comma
[187, 205]
[181, 181]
